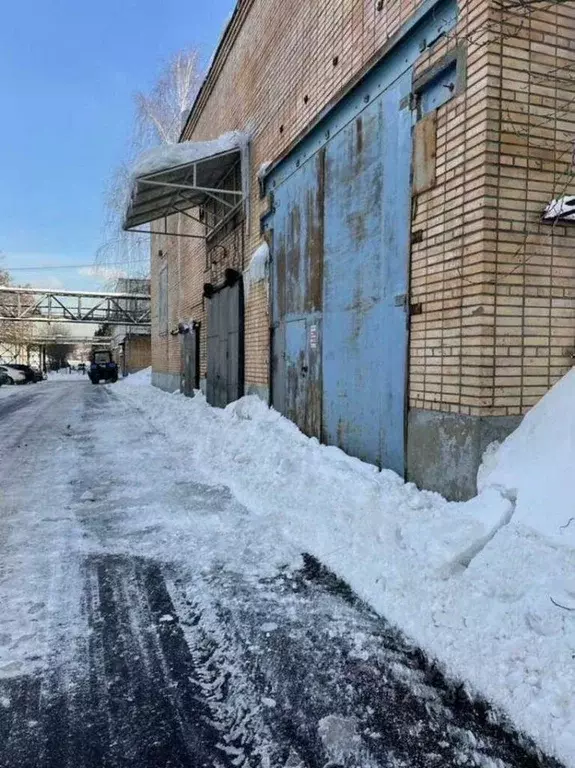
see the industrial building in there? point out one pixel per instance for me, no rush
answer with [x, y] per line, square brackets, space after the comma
[367, 247]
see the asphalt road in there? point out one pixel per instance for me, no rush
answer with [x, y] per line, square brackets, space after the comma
[114, 655]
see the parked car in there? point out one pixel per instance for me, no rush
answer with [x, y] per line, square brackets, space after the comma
[13, 375]
[4, 378]
[32, 376]
[103, 367]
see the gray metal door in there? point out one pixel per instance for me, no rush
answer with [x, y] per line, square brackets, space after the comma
[190, 350]
[225, 380]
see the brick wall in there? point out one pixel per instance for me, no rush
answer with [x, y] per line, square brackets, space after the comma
[494, 284]
[276, 77]
[137, 353]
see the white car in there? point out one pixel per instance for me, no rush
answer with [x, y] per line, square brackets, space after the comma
[13, 375]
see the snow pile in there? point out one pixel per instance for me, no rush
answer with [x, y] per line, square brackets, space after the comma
[476, 584]
[257, 270]
[142, 378]
[263, 170]
[170, 155]
[535, 465]
[64, 375]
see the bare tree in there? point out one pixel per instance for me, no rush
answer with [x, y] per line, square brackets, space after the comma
[161, 114]
[15, 336]
[159, 117]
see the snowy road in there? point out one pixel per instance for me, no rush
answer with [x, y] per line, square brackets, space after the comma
[129, 636]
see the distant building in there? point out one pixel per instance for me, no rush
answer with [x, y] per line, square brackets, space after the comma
[414, 302]
[132, 345]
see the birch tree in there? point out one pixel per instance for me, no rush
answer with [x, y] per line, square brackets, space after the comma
[159, 117]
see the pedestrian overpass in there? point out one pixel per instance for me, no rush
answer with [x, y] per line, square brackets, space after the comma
[19, 306]
[42, 305]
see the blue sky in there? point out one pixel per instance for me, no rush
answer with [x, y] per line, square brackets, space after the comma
[68, 72]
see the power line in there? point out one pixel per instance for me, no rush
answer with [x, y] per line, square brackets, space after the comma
[125, 264]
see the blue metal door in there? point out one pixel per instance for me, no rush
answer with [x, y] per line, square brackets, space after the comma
[297, 284]
[367, 214]
[340, 258]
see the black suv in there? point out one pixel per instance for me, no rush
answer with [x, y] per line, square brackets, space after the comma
[103, 367]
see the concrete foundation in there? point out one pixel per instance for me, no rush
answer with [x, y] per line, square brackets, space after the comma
[169, 382]
[262, 392]
[444, 450]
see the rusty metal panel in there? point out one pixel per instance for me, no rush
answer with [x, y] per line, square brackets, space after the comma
[297, 296]
[367, 215]
[298, 241]
[342, 197]
[225, 346]
[424, 153]
[303, 373]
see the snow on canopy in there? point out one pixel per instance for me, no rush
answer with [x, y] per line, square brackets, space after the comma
[167, 156]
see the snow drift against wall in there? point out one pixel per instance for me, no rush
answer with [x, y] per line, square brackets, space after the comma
[536, 465]
[480, 585]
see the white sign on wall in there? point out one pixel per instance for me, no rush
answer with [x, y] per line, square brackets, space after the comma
[561, 209]
[313, 336]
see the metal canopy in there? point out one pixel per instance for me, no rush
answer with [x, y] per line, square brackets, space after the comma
[179, 188]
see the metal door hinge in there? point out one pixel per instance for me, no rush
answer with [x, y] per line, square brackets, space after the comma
[405, 103]
[401, 300]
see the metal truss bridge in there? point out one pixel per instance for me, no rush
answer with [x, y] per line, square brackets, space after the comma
[39, 305]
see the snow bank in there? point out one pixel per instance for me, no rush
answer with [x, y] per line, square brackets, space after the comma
[63, 375]
[142, 378]
[474, 583]
[535, 465]
[263, 169]
[170, 155]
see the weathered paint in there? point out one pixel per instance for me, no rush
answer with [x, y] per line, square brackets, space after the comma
[302, 367]
[225, 346]
[297, 280]
[430, 93]
[367, 213]
[438, 20]
[425, 154]
[438, 89]
[341, 212]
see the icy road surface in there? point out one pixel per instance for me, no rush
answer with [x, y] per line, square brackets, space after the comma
[128, 636]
